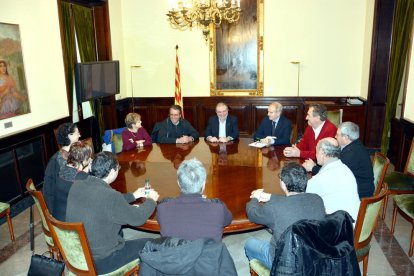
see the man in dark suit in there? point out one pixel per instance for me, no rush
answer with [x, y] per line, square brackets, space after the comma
[354, 155]
[223, 127]
[276, 128]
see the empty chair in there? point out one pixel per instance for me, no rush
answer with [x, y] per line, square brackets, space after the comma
[41, 206]
[335, 116]
[74, 247]
[380, 165]
[404, 204]
[5, 212]
[113, 137]
[365, 225]
[400, 183]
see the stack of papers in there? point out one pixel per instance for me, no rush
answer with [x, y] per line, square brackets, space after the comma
[257, 145]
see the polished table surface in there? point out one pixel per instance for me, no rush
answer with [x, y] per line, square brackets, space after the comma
[234, 170]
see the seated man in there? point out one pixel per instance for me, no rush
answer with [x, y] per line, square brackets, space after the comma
[276, 128]
[175, 130]
[280, 211]
[103, 211]
[354, 155]
[191, 216]
[319, 127]
[223, 127]
[335, 182]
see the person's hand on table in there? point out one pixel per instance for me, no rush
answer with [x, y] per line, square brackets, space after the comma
[308, 165]
[260, 195]
[184, 139]
[292, 151]
[212, 139]
[140, 143]
[224, 139]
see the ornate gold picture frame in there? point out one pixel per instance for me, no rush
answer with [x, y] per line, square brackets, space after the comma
[236, 53]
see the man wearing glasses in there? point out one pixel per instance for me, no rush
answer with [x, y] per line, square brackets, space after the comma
[176, 130]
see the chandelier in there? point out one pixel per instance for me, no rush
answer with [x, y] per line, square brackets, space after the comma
[184, 13]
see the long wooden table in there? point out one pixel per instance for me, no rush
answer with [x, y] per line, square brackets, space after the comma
[233, 171]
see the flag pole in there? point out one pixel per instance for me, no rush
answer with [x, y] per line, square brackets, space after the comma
[177, 93]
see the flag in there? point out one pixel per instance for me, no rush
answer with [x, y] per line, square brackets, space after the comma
[177, 97]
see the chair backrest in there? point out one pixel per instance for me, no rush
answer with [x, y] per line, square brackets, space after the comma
[366, 222]
[294, 134]
[335, 116]
[41, 206]
[73, 245]
[154, 133]
[379, 165]
[409, 165]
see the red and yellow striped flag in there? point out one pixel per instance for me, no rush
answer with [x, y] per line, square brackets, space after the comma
[178, 99]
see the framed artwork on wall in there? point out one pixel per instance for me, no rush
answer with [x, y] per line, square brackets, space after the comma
[236, 53]
[14, 98]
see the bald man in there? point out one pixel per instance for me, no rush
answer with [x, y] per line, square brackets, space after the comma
[275, 129]
[335, 182]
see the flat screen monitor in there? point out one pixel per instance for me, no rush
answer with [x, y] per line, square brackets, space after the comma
[96, 79]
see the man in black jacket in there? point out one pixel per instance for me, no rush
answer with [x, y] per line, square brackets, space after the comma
[223, 127]
[176, 130]
[354, 155]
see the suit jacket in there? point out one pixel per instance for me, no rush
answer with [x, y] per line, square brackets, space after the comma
[232, 128]
[307, 144]
[283, 130]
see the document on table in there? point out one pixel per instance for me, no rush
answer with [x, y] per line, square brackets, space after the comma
[257, 144]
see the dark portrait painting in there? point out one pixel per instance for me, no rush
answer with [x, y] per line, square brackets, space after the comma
[14, 99]
[237, 53]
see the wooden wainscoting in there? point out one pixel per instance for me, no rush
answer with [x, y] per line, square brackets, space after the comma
[249, 110]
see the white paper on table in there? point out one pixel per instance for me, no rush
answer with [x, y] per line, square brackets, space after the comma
[257, 145]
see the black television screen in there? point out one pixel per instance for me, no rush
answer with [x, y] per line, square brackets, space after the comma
[96, 79]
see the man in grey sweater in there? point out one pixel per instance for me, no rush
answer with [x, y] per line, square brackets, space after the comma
[278, 212]
[103, 211]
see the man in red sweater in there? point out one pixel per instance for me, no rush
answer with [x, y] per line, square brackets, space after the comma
[319, 127]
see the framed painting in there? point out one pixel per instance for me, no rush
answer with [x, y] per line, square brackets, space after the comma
[14, 98]
[236, 53]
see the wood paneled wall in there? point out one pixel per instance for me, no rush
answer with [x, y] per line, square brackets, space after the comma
[249, 110]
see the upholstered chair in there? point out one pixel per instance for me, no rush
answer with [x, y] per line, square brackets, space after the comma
[365, 225]
[74, 246]
[404, 204]
[5, 212]
[400, 183]
[335, 116]
[42, 208]
[379, 165]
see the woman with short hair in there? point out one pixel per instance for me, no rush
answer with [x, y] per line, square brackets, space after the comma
[135, 135]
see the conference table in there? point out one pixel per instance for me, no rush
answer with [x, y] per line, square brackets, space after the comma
[234, 170]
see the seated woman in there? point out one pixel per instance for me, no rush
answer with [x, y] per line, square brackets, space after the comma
[76, 168]
[280, 211]
[135, 135]
[67, 134]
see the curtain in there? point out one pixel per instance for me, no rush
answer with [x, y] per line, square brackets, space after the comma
[69, 48]
[401, 37]
[84, 26]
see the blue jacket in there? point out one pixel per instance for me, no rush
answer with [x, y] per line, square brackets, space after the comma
[232, 128]
[283, 130]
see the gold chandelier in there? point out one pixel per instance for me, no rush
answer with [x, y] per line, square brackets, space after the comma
[184, 13]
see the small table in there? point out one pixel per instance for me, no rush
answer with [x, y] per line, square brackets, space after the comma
[234, 170]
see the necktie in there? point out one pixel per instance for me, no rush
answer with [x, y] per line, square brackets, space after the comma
[273, 128]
